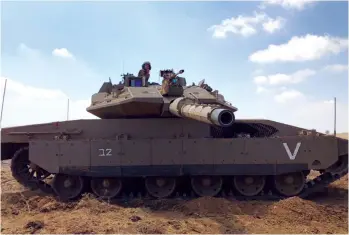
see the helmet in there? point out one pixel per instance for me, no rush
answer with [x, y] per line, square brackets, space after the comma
[146, 63]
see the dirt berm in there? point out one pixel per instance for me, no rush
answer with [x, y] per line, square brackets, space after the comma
[29, 212]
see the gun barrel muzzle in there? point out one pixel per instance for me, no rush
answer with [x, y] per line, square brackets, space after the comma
[207, 113]
[222, 117]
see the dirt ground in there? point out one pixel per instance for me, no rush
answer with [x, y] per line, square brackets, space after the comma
[29, 212]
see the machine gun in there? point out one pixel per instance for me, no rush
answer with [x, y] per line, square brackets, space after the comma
[172, 85]
[172, 77]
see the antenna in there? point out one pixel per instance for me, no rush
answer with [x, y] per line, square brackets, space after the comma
[335, 116]
[3, 101]
[68, 110]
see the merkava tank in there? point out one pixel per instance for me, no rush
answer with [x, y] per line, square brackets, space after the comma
[171, 140]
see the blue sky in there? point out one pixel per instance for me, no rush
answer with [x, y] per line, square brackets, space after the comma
[101, 35]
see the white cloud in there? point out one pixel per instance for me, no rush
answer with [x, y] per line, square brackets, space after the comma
[62, 52]
[294, 78]
[287, 4]
[336, 68]
[329, 102]
[281, 79]
[25, 104]
[288, 95]
[320, 115]
[312, 114]
[273, 24]
[39, 91]
[304, 48]
[246, 25]
[261, 89]
[295, 108]
[32, 92]
[259, 80]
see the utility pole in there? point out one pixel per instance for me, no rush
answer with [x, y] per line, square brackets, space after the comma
[3, 101]
[335, 116]
[68, 110]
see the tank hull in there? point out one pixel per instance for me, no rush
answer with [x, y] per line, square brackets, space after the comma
[174, 157]
[173, 148]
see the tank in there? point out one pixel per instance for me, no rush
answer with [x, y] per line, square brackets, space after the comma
[171, 140]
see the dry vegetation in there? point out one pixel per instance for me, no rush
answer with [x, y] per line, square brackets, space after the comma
[30, 212]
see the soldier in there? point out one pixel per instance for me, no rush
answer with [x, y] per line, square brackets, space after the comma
[145, 71]
[167, 76]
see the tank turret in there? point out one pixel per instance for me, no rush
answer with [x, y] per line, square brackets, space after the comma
[136, 98]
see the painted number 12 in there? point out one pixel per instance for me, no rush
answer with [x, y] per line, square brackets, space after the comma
[105, 152]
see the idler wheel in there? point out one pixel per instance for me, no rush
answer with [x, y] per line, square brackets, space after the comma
[289, 184]
[27, 173]
[68, 187]
[208, 186]
[106, 188]
[160, 187]
[249, 185]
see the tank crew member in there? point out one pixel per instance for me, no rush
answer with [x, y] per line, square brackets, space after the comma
[167, 75]
[145, 71]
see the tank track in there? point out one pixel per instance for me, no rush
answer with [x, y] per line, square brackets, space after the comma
[17, 173]
[311, 187]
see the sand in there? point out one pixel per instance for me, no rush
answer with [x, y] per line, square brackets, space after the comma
[23, 211]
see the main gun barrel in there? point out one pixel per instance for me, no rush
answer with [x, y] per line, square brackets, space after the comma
[211, 114]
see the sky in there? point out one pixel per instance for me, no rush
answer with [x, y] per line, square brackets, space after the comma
[282, 60]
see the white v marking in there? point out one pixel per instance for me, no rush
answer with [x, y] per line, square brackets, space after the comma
[289, 154]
